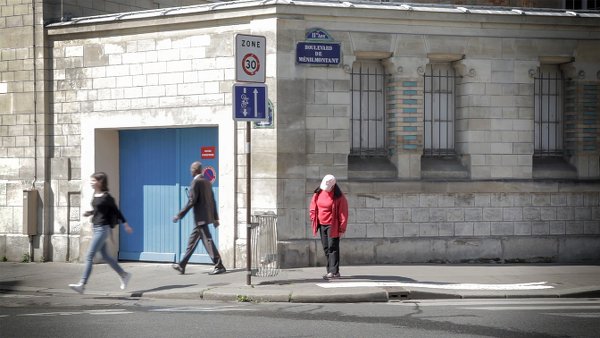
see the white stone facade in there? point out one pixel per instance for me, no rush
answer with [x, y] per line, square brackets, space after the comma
[177, 70]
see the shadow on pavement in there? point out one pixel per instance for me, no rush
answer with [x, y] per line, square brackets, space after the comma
[139, 293]
[349, 277]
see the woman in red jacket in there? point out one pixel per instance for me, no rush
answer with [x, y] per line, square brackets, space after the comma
[329, 216]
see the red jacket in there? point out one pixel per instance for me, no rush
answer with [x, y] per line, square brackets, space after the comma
[339, 213]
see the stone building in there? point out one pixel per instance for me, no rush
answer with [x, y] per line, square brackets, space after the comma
[459, 132]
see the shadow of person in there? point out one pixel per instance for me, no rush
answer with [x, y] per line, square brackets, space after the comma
[140, 293]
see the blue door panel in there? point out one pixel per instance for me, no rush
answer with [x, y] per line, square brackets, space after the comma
[160, 244]
[154, 175]
[192, 141]
[146, 159]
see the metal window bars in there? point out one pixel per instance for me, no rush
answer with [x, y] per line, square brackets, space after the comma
[548, 126]
[265, 262]
[367, 122]
[439, 110]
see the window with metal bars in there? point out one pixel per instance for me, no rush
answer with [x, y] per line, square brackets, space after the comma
[367, 122]
[582, 4]
[549, 97]
[439, 106]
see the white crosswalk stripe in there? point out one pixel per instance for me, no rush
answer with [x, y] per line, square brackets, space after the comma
[576, 314]
[535, 308]
[204, 309]
[72, 313]
[499, 302]
[446, 286]
[564, 307]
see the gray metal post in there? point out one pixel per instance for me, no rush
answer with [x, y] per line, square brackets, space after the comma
[248, 207]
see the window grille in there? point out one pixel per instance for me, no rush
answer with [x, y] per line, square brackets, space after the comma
[548, 129]
[582, 4]
[439, 101]
[367, 122]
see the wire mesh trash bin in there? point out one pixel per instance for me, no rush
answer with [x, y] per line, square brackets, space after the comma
[265, 261]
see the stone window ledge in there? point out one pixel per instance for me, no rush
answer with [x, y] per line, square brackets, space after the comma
[553, 167]
[448, 167]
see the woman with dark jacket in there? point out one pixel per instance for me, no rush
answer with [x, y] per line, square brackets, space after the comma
[329, 216]
[105, 215]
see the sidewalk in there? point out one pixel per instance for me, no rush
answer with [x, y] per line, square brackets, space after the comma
[378, 283]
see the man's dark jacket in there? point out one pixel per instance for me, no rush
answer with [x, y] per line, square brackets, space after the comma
[202, 200]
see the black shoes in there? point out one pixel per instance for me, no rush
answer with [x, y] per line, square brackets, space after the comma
[178, 268]
[218, 270]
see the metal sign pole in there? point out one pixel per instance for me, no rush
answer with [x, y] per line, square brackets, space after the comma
[250, 61]
[248, 207]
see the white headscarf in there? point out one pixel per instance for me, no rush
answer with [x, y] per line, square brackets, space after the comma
[327, 183]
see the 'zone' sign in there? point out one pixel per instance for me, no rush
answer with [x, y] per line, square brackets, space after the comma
[250, 55]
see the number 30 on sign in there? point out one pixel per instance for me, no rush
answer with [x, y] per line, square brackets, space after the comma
[250, 64]
[250, 56]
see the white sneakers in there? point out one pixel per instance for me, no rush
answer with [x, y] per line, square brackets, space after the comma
[124, 280]
[79, 287]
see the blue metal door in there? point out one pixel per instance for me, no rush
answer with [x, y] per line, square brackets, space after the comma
[154, 176]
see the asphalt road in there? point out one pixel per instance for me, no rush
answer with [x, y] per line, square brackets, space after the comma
[65, 315]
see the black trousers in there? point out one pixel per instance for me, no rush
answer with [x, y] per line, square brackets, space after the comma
[331, 247]
[201, 232]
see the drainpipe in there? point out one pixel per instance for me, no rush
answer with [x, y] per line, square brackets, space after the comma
[35, 131]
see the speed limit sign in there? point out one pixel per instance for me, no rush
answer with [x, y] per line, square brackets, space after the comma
[250, 64]
[250, 55]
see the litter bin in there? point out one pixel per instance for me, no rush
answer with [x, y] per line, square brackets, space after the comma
[265, 262]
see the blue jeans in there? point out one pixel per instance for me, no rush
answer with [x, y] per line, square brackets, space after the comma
[101, 233]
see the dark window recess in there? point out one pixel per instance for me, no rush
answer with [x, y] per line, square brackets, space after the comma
[439, 101]
[367, 122]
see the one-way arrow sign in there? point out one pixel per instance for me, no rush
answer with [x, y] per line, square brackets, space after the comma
[250, 102]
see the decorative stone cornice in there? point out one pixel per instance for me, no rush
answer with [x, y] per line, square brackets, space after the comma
[444, 57]
[462, 70]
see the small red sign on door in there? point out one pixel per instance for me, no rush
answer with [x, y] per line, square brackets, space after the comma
[208, 153]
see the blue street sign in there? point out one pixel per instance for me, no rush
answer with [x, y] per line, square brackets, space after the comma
[318, 53]
[250, 102]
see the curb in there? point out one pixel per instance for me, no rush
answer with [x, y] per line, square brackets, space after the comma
[310, 295]
[360, 295]
[247, 294]
[582, 292]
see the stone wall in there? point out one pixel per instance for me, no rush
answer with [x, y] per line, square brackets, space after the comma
[503, 222]
[494, 103]
[23, 128]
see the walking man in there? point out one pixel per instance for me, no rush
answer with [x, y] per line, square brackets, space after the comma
[202, 200]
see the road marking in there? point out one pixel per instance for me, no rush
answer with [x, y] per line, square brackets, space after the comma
[542, 307]
[576, 314]
[446, 286]
[21, 296]
[3, 316]
[476, 302]
[108, 312]
[71, 313]
[49, 314]
[203, 309]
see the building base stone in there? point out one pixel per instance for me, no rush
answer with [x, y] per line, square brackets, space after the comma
[15, 248]
[474, 250]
